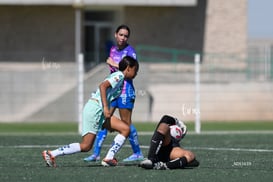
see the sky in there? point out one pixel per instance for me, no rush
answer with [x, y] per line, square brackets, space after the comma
[260, 19]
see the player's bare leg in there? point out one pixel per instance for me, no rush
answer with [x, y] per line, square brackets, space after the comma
[115, 124]
[126, 115]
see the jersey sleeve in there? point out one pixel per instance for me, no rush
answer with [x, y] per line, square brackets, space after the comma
[111, 53]
[132, 53]
[115, 78]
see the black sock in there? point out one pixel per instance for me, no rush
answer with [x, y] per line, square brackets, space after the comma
[177, 163]
[155, 145]
[193, 163]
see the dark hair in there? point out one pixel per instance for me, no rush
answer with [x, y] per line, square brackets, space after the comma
[123, 27]
[127, 61]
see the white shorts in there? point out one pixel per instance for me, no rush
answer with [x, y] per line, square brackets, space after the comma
[93, 117]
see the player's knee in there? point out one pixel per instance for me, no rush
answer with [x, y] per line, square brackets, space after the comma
[125, 130]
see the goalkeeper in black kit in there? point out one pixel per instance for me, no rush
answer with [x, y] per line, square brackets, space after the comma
[165, 151]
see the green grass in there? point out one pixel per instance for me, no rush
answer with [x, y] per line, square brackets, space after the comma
[38, 127]
[147, 126]
[236, 126]
[219, 161]
[245, 156]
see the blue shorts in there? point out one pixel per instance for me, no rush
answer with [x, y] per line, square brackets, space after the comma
[127, 99]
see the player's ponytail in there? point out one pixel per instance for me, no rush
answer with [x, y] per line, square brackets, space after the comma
[127, 61]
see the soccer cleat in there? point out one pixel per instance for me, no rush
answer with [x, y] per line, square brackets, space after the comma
[109, 162]
[146, 164]
[50, 161]
[92, 158]
[134, 157]
[160, 166]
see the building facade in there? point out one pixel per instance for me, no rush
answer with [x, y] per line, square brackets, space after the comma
[33, 29]
[51, 33]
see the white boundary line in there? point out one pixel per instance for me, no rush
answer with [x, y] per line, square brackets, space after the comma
[220, 132]
[139, 133]
[145, 147]
[230, 149]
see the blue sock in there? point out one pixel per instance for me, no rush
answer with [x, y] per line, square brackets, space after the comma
[133, 138]
[101, 135]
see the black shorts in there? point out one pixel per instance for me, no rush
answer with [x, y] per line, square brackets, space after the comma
[165, 151]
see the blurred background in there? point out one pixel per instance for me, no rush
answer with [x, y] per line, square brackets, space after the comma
[41, 40]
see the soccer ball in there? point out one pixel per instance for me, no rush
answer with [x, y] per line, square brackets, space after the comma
[176, 132]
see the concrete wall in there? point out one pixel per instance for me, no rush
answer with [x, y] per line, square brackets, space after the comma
[226, 27]
[46, 33]
[37, 92]
[172, 27]
[211, 27]
[31, 33]
[30, 88]
[218, 102]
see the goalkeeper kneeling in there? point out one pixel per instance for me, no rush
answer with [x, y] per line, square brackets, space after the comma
[165, 151]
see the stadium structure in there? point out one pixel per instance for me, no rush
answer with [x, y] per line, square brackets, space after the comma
[42, 39]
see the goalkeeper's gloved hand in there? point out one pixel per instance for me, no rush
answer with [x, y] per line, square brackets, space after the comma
[182, 125]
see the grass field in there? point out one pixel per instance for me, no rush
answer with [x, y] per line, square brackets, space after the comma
[224, 156]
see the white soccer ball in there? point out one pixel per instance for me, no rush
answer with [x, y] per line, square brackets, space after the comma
[176, 132]
[183, 127]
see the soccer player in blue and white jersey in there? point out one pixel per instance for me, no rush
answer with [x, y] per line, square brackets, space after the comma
[125, 103]
[97, 114]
